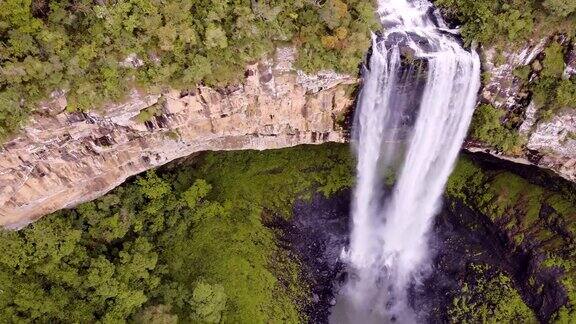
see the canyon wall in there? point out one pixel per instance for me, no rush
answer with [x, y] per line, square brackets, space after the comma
[61, 158]
[547, 142]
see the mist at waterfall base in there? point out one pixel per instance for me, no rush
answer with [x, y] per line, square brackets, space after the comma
[411, 117]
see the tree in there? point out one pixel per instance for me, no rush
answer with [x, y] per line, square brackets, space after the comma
[335, 13]
[76, 46]
[166, 37]
[199, 68]
[215, 37]
[560, 8]
[152, 186]
[11, 112]
[208, 302]
[329, 41]
[554, 60]
[196, 192]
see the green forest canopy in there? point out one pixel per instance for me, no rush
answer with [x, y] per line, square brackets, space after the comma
[188, 244]
[79, 45]
[509, 22]
[507, 25]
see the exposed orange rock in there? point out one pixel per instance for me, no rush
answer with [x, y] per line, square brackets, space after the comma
[61, 159]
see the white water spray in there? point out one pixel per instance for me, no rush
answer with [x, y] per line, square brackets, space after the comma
[435, 97]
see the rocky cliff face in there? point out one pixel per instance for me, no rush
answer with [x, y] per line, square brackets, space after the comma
[547, 142]
[61, 159]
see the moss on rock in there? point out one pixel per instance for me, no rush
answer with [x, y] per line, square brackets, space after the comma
[489, 296]
[537, 220]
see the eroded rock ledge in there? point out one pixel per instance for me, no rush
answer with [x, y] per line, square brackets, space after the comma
[61, 159]
[548, 143]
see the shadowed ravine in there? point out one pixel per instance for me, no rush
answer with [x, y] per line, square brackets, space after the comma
[461, 236]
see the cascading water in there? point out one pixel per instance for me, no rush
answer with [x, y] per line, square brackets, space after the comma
[434, 96]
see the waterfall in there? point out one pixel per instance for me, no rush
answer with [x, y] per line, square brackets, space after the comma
[414, 110]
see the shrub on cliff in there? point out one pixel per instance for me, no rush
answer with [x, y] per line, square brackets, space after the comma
[510, 22]
[553, 60]
[551, 91]
[489, 297]
[487, 127]
[561, 8]
[97, 50]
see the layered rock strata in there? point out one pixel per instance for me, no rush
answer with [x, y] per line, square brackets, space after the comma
[548, 143]
[61, 159]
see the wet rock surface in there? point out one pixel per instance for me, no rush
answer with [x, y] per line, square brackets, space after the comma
[317, 233]
[461, 236]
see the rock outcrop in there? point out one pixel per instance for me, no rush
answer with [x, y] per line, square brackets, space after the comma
[61, 159]
[555, 141]
[549, 143]
[503, 89]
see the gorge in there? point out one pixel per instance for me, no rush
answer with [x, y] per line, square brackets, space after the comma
[224, 161]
